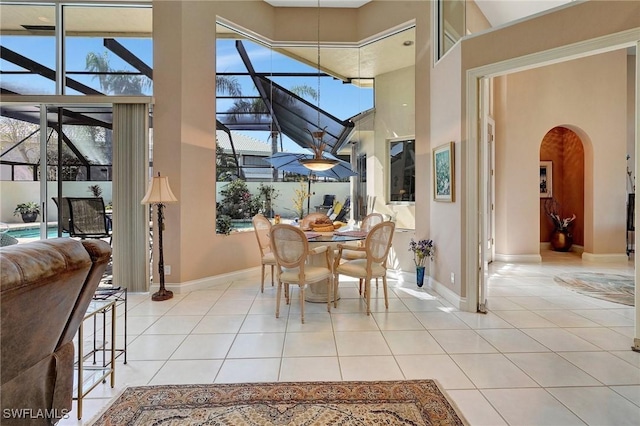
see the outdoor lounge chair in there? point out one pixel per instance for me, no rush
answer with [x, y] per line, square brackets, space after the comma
[85, 217]
[342, 216]
[327, 204]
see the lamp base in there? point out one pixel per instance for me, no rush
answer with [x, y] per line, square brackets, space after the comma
[161, 295]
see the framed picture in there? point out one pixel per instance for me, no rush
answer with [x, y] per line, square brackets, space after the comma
[546, 181]
[444, 173]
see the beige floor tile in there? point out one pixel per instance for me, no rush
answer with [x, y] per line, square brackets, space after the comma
[249, 370]
[605, 367]
[530, 407]
[315, 344]
[413, 342]
[397, 321]
[475, 408]
[495, 371]
[588, 404]
[551, 370]
[369, 368]
[511, 340]
[437, 367]
[187, 372]
[322, 369]
[257, 345]
[204, 346]
[219, 324]
[462, 342]
[354, 343]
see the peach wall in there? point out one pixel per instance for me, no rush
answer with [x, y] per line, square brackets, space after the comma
[588, 96]
[577, 22]
[392, 121]
[184, 93]
[445, 120]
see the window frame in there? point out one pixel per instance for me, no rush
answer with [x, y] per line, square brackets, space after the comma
[389, 175]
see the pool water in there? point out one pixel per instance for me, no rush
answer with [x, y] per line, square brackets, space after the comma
[52, 232]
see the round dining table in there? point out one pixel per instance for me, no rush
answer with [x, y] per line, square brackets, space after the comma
[317, 292]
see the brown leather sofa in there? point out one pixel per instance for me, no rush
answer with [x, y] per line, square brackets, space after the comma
[45, 289]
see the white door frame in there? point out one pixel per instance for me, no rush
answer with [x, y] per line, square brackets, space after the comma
[473, 205]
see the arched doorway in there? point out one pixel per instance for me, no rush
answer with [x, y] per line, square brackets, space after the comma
[562, 172]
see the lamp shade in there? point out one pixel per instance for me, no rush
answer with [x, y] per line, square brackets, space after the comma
[159, 192]
[318, 164]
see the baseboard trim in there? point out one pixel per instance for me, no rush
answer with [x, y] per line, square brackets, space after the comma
[449, 295]
[445, 292]
[605, 257]
[518, 258]
[223, 281]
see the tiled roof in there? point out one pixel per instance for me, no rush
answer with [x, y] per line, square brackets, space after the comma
[242, 143]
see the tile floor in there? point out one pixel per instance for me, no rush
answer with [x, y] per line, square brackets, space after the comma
[543, 355]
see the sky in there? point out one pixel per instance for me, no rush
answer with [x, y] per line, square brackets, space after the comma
[339, 99]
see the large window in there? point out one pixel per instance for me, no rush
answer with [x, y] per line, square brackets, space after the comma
[402, 170]
[107, 49]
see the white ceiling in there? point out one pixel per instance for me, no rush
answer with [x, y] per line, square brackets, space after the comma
[314, 3]
[498, 12]
[504, 11]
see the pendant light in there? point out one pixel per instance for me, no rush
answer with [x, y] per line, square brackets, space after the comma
[317, 144]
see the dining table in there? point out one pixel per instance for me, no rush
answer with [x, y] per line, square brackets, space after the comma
[317, 292]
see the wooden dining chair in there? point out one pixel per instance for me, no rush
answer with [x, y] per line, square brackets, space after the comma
[374, 265]
[262, 228]
[367, 224]
[291, 250]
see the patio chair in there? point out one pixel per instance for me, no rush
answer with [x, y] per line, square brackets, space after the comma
[291, 250]
[64, 217]
[87, 217]
[327, 204]
[342, 215]
[7, 240]
[262, 228]
[376, 247]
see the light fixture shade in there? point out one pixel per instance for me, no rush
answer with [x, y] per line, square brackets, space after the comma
[159, 192]
[318, 164]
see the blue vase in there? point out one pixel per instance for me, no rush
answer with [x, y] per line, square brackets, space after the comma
[420, 275]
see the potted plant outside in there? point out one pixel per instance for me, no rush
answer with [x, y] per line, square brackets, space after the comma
[29, 211]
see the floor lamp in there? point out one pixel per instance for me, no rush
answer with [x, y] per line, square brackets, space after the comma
[159, 193]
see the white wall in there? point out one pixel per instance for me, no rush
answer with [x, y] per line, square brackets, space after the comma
[283, 205]
[13, 193]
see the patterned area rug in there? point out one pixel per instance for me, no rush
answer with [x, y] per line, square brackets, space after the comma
[412, 402]
[610, 287]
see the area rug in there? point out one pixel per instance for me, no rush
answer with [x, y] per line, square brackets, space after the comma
[411, 402]
[611, 287]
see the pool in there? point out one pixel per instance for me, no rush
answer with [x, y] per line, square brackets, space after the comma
[52, 232]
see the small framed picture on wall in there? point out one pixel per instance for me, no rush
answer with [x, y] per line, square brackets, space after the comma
[444, 173]
[546, 179]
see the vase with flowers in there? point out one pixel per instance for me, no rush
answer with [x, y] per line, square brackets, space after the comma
[423, 250]
[561, 237]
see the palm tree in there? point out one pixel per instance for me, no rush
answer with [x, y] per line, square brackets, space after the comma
[256, 107]
[115, 81]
